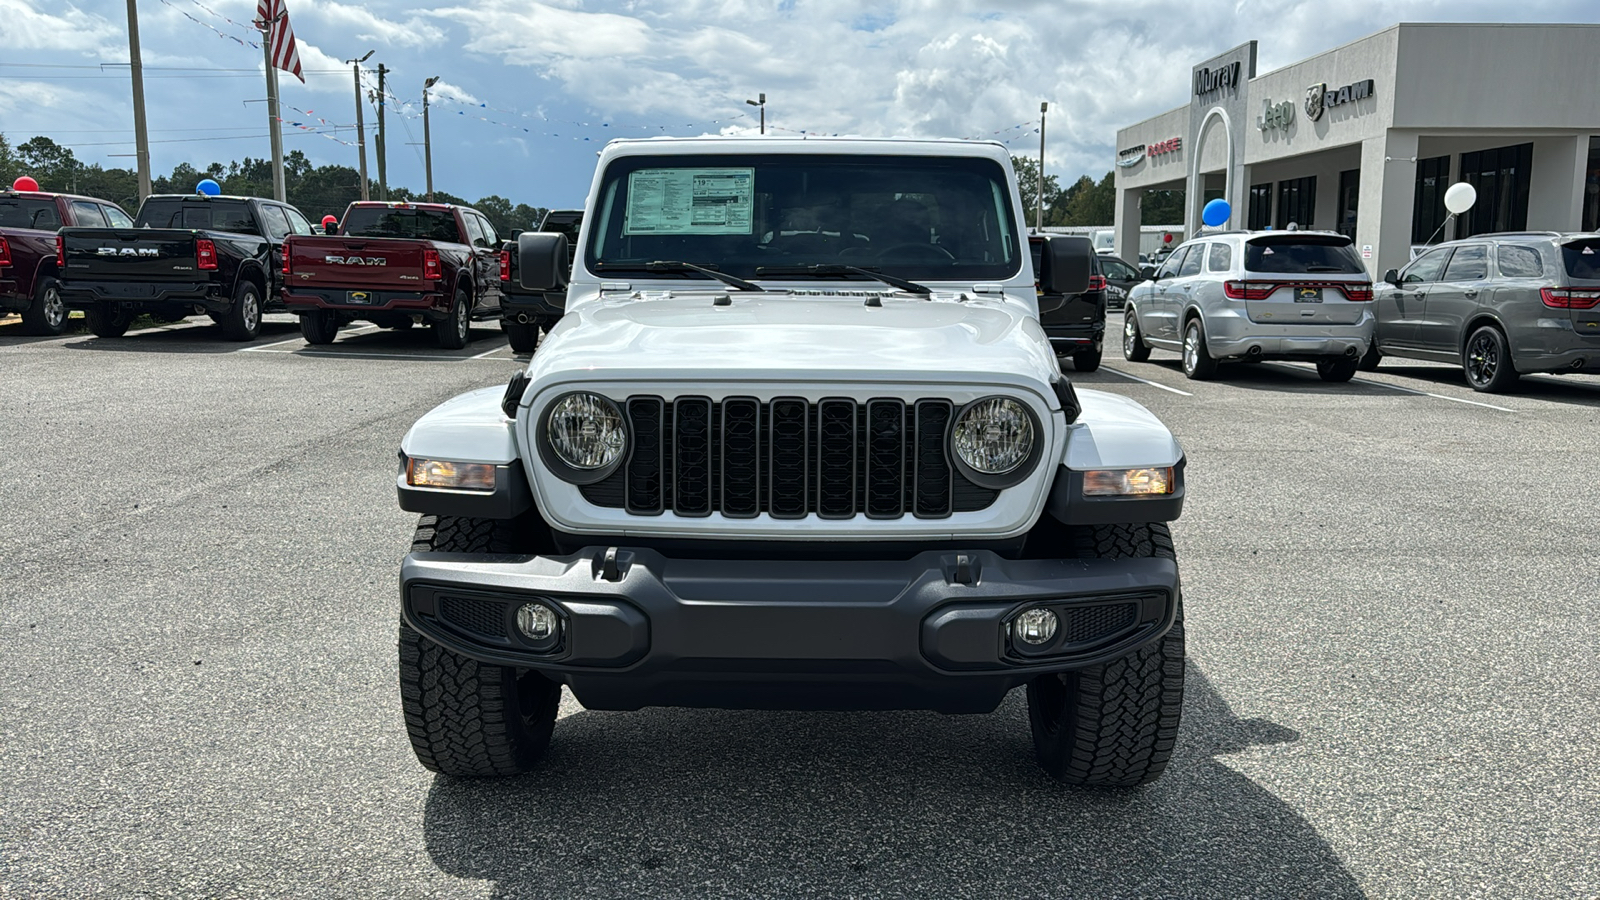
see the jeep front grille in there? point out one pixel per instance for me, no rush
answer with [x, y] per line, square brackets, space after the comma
[789, 458]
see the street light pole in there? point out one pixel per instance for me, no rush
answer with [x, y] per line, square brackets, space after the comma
[763, 106]
[141, 137]
[361, 128]
[1038, 197]
[427, 140]
[383, 178]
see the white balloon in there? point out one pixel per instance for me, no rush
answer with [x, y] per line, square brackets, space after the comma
[1460, 197]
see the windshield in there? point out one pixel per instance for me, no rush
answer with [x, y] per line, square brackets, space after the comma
[209, 215]
[20, 213]
[910, 216]
[1302, 255]
[423, 224]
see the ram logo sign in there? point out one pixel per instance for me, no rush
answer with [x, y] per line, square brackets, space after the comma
[128, 251]
[355, 260]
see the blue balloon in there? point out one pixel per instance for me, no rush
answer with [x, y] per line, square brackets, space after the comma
[211, 189]
[1216, 212]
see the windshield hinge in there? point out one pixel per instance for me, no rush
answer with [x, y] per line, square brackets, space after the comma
[608, 286]
[988, 289]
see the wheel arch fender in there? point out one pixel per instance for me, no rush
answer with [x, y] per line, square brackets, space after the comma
[1190, 313]
[1478, 320]
[1115, 432]
[469, 428]
[253, 272]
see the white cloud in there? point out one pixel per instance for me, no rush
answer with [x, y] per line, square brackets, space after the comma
[367, 26]
[22, 25]
[444, 90]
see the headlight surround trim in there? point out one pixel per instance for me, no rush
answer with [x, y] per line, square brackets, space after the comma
[1019, 472]
[553, 459]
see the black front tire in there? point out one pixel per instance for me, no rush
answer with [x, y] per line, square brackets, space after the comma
[241, 321]
[1486, 361]
[453, 331]
[1198, 364]
[466, 718]
[1115, 724]
[319, 326]
[108, 320]
[1086, 360]
[47, 314]
[522, 338]
[1134, 348]
[1337, 371]
[1370, 359]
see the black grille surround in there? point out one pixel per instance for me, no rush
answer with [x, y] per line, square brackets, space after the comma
[788, 458]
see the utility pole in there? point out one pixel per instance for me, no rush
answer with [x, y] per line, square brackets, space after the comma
[1038, 197]
[383, 178]
[427, 139]
[361, 127]
[141, 137]
[763, 107]
[274, 124]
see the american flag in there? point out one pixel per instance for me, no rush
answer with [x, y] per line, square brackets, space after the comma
[272, 17]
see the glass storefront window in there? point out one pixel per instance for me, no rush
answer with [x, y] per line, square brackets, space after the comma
[1591, 188]
[1349, 200]
[1501, 178]
[1427, 205]
[1260, 206]
[1297, 203]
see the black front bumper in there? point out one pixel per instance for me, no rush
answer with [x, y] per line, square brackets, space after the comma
[535, 306]
[931, 632]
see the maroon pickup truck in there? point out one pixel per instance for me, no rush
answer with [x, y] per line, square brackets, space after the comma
[29, 265]
[390, 263]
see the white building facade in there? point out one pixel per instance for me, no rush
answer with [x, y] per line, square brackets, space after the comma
[1364, 139]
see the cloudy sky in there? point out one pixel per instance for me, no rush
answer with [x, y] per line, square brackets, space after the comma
[532, 88]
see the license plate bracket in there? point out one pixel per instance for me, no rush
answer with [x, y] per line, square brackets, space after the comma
[1308, 295]
[358, 298]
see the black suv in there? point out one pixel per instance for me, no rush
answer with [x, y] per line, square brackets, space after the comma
[1075, 323]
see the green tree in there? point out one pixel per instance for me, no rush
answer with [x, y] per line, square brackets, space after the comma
[1161, 208]
[1027, 170]
[526, 218]
[1091, 203]
[10, 166]
[51, 164]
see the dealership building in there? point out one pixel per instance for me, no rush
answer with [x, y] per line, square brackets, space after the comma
[1365, 138]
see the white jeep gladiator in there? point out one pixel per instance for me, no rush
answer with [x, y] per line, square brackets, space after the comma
[799, 442]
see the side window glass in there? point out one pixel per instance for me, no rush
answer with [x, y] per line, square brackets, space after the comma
[117, 217]
[277, 224]
[1170, 267]
[1426, 267]
[1468, 264]
[86, 213]
[474, 234]
[1221, 258]
[490, 239]
[1191, 262]
[297, 222]
[1517, 261]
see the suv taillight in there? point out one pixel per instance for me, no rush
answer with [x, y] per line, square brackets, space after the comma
[1249, 290]
[1097, 282]
[5, 252]
[1359, 291]
[431, 269]
[61, 253]
[505, 265]
[205, 254]
[1570, 298]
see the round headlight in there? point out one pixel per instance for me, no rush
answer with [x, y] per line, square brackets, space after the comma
[993, 436]
[586, 431]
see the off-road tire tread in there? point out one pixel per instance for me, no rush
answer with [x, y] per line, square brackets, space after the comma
[462, 715]
[319, 327]
[107, 320]
[522, 338]
[1123, 716]
[1337, 371]
[233, 325]
[1086, 360]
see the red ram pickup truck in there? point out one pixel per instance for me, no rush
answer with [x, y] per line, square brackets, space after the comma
[392, 262]
[29, 265]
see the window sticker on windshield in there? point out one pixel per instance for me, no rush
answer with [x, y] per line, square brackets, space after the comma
[690, 201]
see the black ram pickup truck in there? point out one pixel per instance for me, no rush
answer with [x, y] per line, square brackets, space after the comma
[524, 313]
[186, 254]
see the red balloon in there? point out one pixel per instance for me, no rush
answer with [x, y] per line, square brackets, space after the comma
[25, 184]
[1166, 238]
[329, 220]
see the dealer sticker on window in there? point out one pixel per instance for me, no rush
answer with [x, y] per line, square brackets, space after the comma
[690, 201]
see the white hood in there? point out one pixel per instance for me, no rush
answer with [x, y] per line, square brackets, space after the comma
[778, 337]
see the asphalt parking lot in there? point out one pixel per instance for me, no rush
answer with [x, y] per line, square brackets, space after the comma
[1394, 688]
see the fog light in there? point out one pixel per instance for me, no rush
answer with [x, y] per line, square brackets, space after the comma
[537, 622]
[1036, 626]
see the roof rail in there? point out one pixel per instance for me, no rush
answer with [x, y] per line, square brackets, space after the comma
[1489, 234]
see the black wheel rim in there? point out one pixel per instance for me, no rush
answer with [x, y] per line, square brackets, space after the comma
[1483, 358]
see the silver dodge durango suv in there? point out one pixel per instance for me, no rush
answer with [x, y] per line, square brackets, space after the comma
[1255, 295]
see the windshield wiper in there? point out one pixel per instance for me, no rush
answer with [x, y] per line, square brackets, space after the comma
[673, 266]
[826, 269]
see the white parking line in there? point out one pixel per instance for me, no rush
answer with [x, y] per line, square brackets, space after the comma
[339, 354]
[1395, 387]
[488, 353]
[1145, 381]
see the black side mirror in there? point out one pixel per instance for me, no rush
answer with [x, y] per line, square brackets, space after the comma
[542, 261]
[1068, 263]
[515, 233]
[1392, 276]
[1148, 273]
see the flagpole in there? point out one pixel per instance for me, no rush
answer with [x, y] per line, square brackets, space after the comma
[274, 120]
